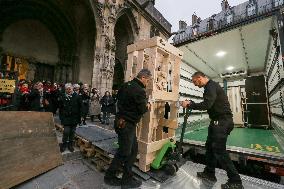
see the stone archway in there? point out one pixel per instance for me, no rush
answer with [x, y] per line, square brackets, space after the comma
[124, 36]
[64, 29]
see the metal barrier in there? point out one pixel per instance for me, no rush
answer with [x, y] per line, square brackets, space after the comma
[7, 108]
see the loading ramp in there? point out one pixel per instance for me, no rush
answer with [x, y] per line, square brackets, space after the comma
[249, 143]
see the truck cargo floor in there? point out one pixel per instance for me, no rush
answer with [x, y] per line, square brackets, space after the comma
[255, 141]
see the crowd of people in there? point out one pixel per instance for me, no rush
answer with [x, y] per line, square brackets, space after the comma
[73, 102]
[45, 97]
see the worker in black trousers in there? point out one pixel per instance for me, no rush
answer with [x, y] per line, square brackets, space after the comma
[132, 104]
[217, 105]
[70, 106]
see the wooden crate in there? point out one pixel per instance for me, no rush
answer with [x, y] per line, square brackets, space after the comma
[28, 146]
[80, 141]
[100, 164]
[163, 60]
[85, 146]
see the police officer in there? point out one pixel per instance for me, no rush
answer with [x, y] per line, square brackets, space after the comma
[70, 106]
[217, 105]
[132, 104]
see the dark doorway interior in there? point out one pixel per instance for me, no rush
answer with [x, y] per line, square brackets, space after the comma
[44, 72]
[118, 76]
[123, 36]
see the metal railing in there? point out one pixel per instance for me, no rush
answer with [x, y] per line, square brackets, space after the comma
[7, 108]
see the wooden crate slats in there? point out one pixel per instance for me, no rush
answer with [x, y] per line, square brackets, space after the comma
[163, 60]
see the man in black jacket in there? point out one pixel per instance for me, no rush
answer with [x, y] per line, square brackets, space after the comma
[132, 104]
[70, 106]
[217, 105]
[37, 98]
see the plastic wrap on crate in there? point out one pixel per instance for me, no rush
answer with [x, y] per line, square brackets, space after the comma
[110, 145]
[186, 178]
[95, 134]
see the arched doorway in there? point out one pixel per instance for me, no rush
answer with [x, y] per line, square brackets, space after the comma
[124, 36]
[118, 77]
[56, 38]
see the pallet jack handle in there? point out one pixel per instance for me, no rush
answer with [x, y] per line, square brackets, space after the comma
[186, 112]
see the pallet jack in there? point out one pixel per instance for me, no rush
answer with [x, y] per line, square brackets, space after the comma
[170, 156]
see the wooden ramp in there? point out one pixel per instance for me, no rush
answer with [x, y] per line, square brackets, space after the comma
[28, 146]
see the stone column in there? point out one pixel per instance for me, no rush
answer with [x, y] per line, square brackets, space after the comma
[105, 54]
[96, 79]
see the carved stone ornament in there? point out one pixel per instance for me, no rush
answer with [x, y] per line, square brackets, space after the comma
[109, 74]
[146, 60]
[113, 45]
[107, 43]
[106, 60]
[100, 10]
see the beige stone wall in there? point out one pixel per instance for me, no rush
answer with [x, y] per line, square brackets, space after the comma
[108, 12]
[144, 26]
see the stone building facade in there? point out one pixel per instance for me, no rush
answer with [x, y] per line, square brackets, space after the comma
[77, 40]
[229, 18]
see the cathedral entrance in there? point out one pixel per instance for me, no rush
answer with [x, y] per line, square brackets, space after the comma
[124, 36]
[59, 36]
[118, 76]
[44, 72]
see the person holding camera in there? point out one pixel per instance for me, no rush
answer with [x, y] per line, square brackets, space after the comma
[132, 104]
[70, 106]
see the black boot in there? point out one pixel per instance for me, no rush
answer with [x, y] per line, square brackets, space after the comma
[232, 185]
[62, 147]
[208, 176]
[71, 146]
[130, 182]
[99, 117]
[111, 179]
[92, 118]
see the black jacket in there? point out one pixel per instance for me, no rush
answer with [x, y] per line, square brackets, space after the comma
[22, 101]
[131, 101]
[215, 101]
[107, 104]
[37, 102]
[53, 102]
[85, 98]
[70, 109]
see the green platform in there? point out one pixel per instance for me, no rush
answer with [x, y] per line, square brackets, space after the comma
[257, 139]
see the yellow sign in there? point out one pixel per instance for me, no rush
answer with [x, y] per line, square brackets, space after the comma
[7, 86]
